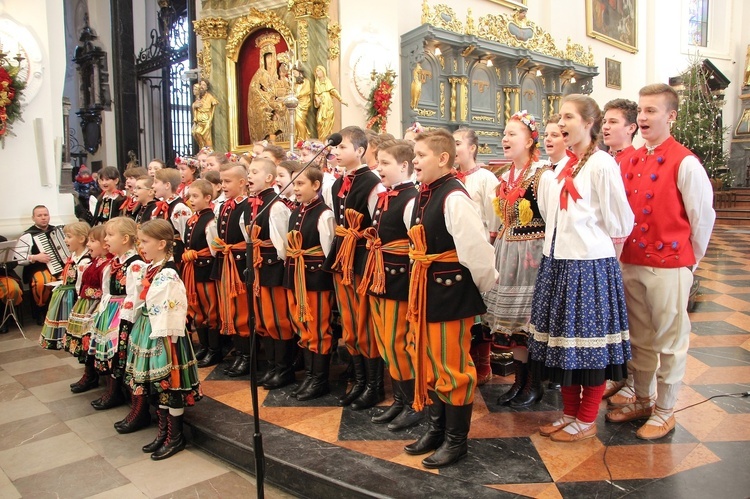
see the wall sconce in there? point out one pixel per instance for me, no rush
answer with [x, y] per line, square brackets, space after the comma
[538, 72]
[489, 63]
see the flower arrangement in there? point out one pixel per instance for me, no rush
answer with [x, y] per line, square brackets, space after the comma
[380, 101]
[11, 89]
[528, 120]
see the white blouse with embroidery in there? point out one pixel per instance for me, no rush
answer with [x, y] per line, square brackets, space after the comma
[166, 303]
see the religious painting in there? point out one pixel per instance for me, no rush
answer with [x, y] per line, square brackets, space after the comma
[262, 83]
[613, 74]
[613, 22]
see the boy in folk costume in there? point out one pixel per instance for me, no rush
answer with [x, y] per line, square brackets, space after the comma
[453, 265]
[144, 194]
[386, 279]
[672, 198]
[269, 222]
[35, 271]
[481, 184]
[197, 263]
[230, 264]
[309, 288]
[130, 206]
[171, 207]
[355, 196]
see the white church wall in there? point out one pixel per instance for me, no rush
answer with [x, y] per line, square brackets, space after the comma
[21, 187]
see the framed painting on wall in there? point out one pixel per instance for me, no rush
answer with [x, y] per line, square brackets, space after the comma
[613, 74]
[613, 22]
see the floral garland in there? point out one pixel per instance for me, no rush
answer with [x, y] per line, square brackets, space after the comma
[528, 120]
[11, 88]
[380, 101]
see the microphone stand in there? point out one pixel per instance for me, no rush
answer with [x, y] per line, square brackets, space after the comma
[260, 460]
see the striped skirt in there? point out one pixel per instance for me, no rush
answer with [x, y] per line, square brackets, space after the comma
[56, 322]
[79, 325]
[105, 330]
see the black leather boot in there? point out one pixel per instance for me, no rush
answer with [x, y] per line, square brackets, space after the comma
[89, 380]
[395, 408]
[319, 384]
[202, 350]
[371, 394]
[360, 381]
[435, 434]
[113, 396]
[268, 350]
[408, 416]
[455, 447]
[521, 369]
[161, 434]
[236, 344]
[139, 416]
[532, 392]
[284, 371]
[175, 441]
[212, 358]
[308, 357]
[241, 367]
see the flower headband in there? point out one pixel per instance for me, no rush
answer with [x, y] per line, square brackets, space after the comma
[232, 157]
[313, 146]
[290, 156]
[190, 161]
[416, 128]
[528, 120]
[206, 150]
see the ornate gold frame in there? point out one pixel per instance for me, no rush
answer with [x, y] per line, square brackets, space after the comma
[608, 39]
[510, 5]
[239, 31]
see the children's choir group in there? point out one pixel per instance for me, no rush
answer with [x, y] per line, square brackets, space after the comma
[426, 257]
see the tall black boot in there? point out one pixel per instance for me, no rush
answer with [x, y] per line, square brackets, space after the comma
[319, 384]
[284, 372]
[139, 416]
[213, 356]
[371, 395]
[113, 396]
[531, 392]
[308, 357]
[236, 344]
[408, 416]
[395, 408]
[455, 447]
[175, 441]
[360, 381]
[434, 437]
[161, 434]
[521, 369]
[200, 354]
[90, 378]
[242, 367]
[268, 350]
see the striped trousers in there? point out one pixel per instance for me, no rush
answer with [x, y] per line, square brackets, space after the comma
[451, 372]
[273, 313]
[394, 336]
[316, 334]
[355, 318]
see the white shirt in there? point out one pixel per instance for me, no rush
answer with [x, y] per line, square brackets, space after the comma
[166, 302]
[133, 278]
[482, 188]
[463, 222]
[698, 198]
[584, 231]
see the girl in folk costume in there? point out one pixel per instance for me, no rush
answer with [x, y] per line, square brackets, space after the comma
[107, 205]
[64, 295]
[78, 336]
[309, 288]
[579, 325]
[197, 263]
[480, 183]
[130, 207]
[518, 251]
[161, 363]
[188, 168]
[113, 318]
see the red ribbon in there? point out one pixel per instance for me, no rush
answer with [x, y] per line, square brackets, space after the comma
[346, 186]
[383, 198]
[569, 187]
[162, 207]
[255, 202]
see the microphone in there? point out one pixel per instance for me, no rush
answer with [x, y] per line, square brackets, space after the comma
[333, 140]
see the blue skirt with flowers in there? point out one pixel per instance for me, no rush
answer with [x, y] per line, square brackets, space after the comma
[579, 322]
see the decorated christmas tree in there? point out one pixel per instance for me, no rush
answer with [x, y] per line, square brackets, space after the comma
[698, 125]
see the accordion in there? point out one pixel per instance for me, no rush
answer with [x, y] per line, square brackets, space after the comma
[52, 244]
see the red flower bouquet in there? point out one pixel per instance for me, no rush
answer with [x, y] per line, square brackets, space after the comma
[10, 96]
[380, 101]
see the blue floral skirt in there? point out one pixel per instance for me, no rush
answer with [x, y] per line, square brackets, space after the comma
[579, 322]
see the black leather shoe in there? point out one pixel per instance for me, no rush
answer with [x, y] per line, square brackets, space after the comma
[161, 435]
[360, 381]
[235, 364]
[307, 355]
[408, 416]
[284, 361]
[434, 437]
[241, 368]
[319, 385]
[138, 418]
[371, 394]
[395, 408]
[211, 358]
[175, 441]
[455, 447]
[521, 370]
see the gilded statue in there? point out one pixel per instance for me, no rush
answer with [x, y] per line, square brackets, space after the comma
[203, 114]
[265, 112]
[746, 80]
[282, 90]
[304, 95]
[416, 86]
[324, 93]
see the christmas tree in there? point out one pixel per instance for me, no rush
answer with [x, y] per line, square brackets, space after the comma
[698, 125]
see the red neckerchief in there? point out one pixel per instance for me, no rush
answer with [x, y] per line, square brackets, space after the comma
[255, 202]
[383, 198]
[146, 281]
[162, 209]
[566, 176]
[510, 190]
[128, 204]
[461, 175]
[346, 185]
